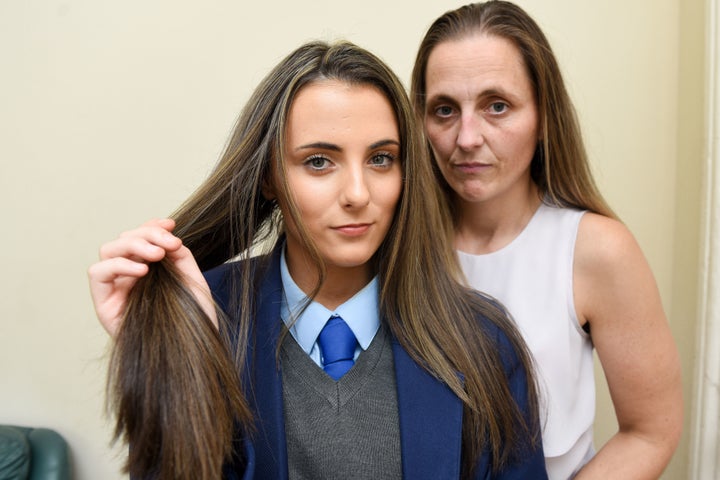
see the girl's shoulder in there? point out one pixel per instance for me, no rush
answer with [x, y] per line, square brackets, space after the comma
[222, 277]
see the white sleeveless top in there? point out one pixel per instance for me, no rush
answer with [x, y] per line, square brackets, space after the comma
[533, 277]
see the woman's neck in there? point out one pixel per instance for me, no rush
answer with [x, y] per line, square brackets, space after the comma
[485, 227]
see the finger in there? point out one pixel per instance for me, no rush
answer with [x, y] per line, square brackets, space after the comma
[155, 233]
[148, 244]
[165, 223]
[132, 248]
[186, 264]
[108, 271]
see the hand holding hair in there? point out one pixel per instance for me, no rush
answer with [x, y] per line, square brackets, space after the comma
[166, 347]
[125, 260]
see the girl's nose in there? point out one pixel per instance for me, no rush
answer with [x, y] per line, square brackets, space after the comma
[355, 191]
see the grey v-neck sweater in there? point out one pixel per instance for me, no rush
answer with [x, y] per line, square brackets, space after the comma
[347, 429]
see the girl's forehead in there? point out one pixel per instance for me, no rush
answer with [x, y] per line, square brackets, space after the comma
[335, 110]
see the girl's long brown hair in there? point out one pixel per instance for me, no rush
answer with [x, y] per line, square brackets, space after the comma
[174, 386]
[560, 167]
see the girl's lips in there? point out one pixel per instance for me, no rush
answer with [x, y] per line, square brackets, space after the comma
[353, 230]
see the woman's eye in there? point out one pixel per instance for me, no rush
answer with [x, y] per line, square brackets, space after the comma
[383, 159]
[498, 107]
[317, 163]
[443, 111]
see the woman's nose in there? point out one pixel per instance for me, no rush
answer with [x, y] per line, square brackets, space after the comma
[469, 135]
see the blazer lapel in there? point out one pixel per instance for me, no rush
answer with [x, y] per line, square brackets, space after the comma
[265, 394]
[430, 422]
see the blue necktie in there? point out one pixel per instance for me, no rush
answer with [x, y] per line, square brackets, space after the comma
[337, 347]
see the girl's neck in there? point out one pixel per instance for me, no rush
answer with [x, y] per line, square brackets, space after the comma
[485, 227]
[340, 283]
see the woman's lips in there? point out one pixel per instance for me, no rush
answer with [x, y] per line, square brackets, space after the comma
[469, 168]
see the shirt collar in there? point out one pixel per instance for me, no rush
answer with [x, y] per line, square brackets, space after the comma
[360, 312]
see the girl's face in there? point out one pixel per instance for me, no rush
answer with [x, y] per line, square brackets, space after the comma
[343, 169]
[481, 117]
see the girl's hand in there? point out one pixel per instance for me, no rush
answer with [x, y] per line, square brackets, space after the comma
[124, 260]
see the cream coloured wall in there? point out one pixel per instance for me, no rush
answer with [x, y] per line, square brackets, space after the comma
[112, 112]
[685, 313]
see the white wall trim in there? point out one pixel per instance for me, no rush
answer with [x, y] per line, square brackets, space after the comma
[705, 441]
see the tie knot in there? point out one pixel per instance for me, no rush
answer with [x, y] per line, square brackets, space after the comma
[337, 347]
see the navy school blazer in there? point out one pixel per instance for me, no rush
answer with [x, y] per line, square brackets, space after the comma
[430, 414]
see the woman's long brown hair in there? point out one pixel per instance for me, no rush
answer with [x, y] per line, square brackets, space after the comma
[174, 385]
[560, 167]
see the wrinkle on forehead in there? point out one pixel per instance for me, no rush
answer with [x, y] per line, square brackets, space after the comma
[469, 66]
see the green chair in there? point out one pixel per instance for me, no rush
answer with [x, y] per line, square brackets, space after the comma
[33, 454]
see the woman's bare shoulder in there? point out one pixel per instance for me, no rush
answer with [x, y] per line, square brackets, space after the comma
[604, 242]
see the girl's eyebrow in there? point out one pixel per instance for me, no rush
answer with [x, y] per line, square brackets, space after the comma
[320, 145]
[383, 143]
[336, 148]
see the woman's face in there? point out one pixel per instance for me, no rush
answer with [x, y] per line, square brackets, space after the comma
[344, 172]
[481, 117]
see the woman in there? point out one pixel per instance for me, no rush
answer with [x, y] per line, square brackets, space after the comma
[532, 230]
[433, 382]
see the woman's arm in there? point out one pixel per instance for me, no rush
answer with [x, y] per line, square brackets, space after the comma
[616, 293]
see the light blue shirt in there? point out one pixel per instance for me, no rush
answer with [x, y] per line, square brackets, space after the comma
[360, 313]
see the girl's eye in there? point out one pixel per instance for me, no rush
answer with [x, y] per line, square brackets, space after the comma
[498, 107]
[317, 162]
[382, 159]
[443, 111]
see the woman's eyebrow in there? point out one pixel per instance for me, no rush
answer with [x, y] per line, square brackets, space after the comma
[493, 91]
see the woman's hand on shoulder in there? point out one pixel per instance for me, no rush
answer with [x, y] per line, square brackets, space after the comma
[615, 291]
[125, 260]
